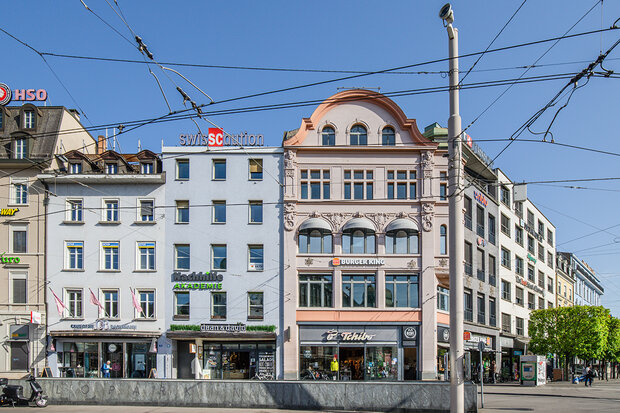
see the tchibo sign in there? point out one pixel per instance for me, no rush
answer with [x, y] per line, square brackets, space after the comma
[218, 138]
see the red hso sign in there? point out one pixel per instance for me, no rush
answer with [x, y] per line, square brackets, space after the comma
[30, 94]
[216, 137]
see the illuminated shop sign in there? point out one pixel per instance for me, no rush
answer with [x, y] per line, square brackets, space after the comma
[217, 138]
[480, 198]
[223, 327]
[197, 281]
[335, 335]
[357, 261]
[8, 212]
[28, 95]
[9, 260]
[104, 325]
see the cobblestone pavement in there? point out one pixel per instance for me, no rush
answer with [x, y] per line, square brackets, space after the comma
[564, 397]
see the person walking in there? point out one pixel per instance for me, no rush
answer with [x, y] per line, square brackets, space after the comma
[492, 372]
[589, 373]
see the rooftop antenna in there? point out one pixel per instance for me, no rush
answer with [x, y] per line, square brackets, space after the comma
[139, 146]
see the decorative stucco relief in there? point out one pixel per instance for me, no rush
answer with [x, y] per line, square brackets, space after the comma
[428, 211]
[289, 216]
[428, 160]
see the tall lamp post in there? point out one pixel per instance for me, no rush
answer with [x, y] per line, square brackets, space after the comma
[456, 231]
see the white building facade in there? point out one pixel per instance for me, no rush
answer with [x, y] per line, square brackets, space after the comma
[588, 289]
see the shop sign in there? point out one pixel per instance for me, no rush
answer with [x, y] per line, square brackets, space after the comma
[466, 335]
[19, 331]
[443, 334]
[480, 198]
[217, 138]
[35, 317]
[531, 258]
[8, 212]
[529, 285]
[234, 328]
[20, 94]
[213, 279]
[9, 260]
[103, 325]
[476, 338]
[335, 335]
[482, 242]
[410, 333]
[357, 261]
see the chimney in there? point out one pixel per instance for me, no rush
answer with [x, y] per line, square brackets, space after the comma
[101, 144]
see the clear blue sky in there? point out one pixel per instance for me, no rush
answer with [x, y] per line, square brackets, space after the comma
[347, 35]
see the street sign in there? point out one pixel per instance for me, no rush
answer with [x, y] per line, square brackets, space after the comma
[481, 346]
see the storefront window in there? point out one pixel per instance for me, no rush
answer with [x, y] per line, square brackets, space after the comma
[238, 361]
[315, 362]
[80, 360]
[114, 353]
[140, 361]
[381, 363]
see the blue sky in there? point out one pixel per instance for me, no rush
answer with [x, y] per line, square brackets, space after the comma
[348, 35]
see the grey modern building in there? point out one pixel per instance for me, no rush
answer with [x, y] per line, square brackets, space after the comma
[223, 261]
[105, 280]
[588, 289]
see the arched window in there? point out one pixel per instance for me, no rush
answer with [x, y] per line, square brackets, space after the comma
[358, 237]
[315, 237]
[402, 237]
[443, 240]
[359, 136]
[329, 136]
[388, 136]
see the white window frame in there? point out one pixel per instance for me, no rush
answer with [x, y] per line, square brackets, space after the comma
[15, 200]
[102, 313]
[17, 275]
[176, 210]
[262, 215]
[262, 306]
[66, 313]
[68, 255]
[175, 256]
[139, 217]
[147, 168]
[139, 249]
[29, 119]
[75, 168]
[104, 209]
[20, 148]
[213, 305]
[253, 267]
[217, 161]
[262, 168]
[12, 229]
[142, 315]
[218, 202]
[69, 213]
[111, 168]
[213, 257]
[103, 249]
[176, 169]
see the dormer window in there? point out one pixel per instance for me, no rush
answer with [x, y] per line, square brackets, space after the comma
[146, 167]
[19, 149]
[111, 168]
[329, 136]
[28, 119]
[388, 137]
[75, 167]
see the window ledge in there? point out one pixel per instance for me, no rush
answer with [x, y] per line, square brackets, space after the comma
[256, 319]
[74, 269]
[17, 205]
[72, 319]
[181, 223]
[144, 271]
[109, 222]
[144, 319]
[218, 223]
[145, 222]
[180, 317]
[72, 222]
[255, 223]
[108, 270]
[15, 265]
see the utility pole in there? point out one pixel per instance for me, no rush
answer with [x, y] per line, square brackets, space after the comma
[455, 228]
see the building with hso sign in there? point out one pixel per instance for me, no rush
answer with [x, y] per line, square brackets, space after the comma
[365, 244]
[105, 264]
[223, 271]
[32, 139]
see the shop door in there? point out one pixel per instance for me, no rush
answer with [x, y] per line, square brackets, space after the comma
[351, 363]
[19, 355]
[185, 360]
[114, 353]
[411, 363]
[236, 365]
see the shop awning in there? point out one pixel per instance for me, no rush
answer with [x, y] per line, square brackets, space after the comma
[106, 334]
[402, 224]
[315, 223]
[221, 335]
[359, 223]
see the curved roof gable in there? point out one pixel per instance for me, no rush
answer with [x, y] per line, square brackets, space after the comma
[356, 95]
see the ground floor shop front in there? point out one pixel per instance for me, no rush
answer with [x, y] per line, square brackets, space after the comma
[512, 348]
[86, 355]
[22, 348]
[358, 352]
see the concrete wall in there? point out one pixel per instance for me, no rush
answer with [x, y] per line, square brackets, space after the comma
[384, 396]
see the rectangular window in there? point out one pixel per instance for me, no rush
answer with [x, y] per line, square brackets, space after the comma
[531, 301]
[19, 293]
[181, 257]
[468, 223]
[549, 237]
[181, 305]
[550, 259]
[19, 239]
[218, 257]
[75, 210]
[505, 258]
[480, 262]
[219, 212]
[110, 210]
[541, 228]
[468, 258]
[147, 303]
[480, 218]
[256, 169]
[111, 168]
[20, 148]
[182, 169]
[359, 291]
[19, 194]
[481, 309]
[505, 196]
[541, 280]
[541, 252]
[315, 290]
[182, 212]
[550, 284]
[218, 306]
[492, 270]
[256, 258]
[505, 225]
[492, 229]
[256, 309]
[358, 184]
[146, 256]
[531, 245]
[219, 169]
[506, 291]
[146, 210]
[74, 303]
[315, 184]
[110, 303]
[110, 259]
[519, 268]
[492, 312]
[146, 168]
[401, 291]
[506, 327]
[519, 296]
[550, 304]
[74, 255]
[443, 298]
[518, 235]
[520, 326]
[75, 168]
[531, 274]
[443, 186]
[256, 212]
[468, 304]
[519, 209]
[530, 219]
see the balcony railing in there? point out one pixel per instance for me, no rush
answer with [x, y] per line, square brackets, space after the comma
[469, 314]
[468, 221]
[493, 280]
[492, 321]
[468, 269]
[481, 275]
[481, 318]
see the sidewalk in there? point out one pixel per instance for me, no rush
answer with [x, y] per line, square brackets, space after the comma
[562, 397]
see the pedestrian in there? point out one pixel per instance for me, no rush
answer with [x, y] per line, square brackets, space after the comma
[589, 373]
[106, 370]
[492, 372]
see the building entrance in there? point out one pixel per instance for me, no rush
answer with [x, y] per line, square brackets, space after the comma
[351, 363]
[236, 364]
[411, 363]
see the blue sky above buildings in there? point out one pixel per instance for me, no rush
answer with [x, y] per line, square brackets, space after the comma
[347, 35]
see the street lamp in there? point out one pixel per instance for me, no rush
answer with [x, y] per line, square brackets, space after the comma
[455, 228]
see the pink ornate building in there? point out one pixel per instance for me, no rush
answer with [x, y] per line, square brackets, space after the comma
[365, 216]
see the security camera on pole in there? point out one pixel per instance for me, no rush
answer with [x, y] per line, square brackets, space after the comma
[455, 228]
